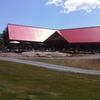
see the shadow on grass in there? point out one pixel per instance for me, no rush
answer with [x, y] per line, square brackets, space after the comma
[36, 96]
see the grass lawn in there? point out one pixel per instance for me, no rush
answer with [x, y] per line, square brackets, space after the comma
[25, 81]
[80, 63]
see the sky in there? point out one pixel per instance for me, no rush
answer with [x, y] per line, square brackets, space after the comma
[55, 14]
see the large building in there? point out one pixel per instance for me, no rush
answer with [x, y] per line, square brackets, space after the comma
[27, 38]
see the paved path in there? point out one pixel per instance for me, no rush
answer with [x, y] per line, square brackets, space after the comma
[52, 66]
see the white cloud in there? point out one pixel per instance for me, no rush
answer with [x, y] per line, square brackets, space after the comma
[55, 2]
[76, 5]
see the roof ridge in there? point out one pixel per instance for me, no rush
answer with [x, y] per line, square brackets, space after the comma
[31, 26]
[81, 28]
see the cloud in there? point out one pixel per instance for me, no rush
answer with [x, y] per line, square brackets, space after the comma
[55, 2]
[76, 5]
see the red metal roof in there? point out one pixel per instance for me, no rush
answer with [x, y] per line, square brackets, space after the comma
[27, 33]
[81, 35]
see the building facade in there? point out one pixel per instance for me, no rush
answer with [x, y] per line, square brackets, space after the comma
[20, 37]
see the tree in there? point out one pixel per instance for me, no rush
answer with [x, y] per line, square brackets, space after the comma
[1, 41]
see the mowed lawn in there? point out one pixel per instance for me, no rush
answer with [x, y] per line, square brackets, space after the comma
[19, 82]
[79, 63]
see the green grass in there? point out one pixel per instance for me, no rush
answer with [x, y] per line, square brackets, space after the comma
[80, 63]
[26, 81]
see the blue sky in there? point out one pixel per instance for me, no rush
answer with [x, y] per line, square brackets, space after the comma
[49, 14]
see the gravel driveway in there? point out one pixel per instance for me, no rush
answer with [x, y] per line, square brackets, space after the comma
[52, 66]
